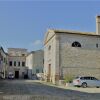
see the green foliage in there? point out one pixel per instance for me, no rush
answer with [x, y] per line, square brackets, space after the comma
[68, 78]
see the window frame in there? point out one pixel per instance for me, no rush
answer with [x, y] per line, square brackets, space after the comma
[19, 63]
[76, 44]
[23, 63]
[10, 63]
[14, 63]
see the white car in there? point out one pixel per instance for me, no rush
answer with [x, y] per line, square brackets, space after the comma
[11, 76]
[40, 76]
[86, 81]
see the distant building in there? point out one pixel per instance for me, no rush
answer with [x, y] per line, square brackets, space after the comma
[17, 62]
[71, 53]
[34, 62]
[3, 63]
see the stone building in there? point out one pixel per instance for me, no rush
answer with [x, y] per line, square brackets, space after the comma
[3, 63]
[71, 53]
[34, 62]
[17, 62]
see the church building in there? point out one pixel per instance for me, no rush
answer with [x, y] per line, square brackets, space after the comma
[71, 53]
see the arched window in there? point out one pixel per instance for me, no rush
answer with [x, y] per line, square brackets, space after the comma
[76, 44]
[49, 48]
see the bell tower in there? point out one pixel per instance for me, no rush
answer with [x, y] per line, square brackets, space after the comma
[98, 25]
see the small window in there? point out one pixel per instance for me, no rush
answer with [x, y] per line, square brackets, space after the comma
[18, 63]
[49, 48]
[37, 70]
[23, 63]
[4, 60]
[43, 61]
[97, 45]
[76, 44]
[23, 54]
[10, 63]
[14, 63]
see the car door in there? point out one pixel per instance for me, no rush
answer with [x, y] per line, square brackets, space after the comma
[93, 82]
[96, 82]
[88, 81]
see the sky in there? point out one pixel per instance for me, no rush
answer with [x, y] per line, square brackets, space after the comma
[23, 23]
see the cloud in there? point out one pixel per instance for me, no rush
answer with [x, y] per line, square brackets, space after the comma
[36, 43]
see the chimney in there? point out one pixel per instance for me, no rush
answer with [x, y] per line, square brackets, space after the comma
[98, 25]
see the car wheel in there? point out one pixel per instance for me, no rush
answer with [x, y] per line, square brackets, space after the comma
[84, 85]
[97, 87]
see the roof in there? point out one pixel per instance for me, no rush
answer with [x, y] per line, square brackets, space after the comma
[1, 48]
[73, 32]
[32, 52]
[56, 31]
[18, 48]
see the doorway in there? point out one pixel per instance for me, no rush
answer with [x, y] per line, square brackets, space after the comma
[16, 74]
[49, 72]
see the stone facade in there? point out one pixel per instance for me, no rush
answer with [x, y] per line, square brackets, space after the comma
[20, 63]
[51, 57]
[34, 62]
[3, 63]
[17, 62]
[71, 53]
[80, 61]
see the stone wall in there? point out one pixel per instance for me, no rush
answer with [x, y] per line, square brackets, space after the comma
[21, 69]
[50, 58]
[38, 57]
[80, 61]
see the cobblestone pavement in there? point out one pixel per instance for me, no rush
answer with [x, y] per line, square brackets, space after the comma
[33, 88]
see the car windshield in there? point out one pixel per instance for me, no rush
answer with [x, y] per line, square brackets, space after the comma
[11, 75]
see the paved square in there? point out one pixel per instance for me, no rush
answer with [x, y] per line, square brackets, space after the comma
[27, 87]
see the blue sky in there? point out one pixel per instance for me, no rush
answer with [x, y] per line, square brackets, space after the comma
[24, 23]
